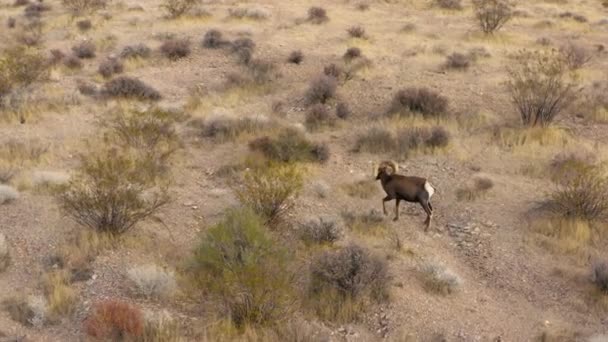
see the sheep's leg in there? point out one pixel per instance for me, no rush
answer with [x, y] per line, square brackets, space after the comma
[430, 205]
[429, 214]
[397, 209]
[384, 200]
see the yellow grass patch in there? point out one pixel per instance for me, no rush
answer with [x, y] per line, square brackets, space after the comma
[568, 236]
[61, 298]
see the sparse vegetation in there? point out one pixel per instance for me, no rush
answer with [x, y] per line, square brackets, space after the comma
[317, 15]
[175, 48]
[363, 189]
[343, 111]
[114, 319]
[599, 276]
[30, 311]
[321, 89]
[344, 281]
[478, 188]
[375, 140]
[79, 7]
[318, 116]
[492, 15]
[253, 13]
[457, 61]
[135, 51]
[244, 269]
[407, 140]
[177, 8]
[19, 68]
[449, 4]
[352, 53]
[296, 57]
[540, 86]
[61, 299]
[5, 256]
[356, 32]
[367, 222]
[110, 67]
[213, 39]
[152, 281]
[290, 146]
[584, 196]
[227, 128]
[575, 56]
[320, 231]
[84, 50]
[271, 191]
[437, 278]
[419, 100]
[128, 87]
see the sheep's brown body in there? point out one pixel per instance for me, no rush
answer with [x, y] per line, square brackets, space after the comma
[406, 188]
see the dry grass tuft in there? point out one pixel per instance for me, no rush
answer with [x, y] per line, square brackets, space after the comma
[449, 4]
[114, 319]
[152, 281]
[363, 189]
[177, 8]
[320, 231]
[584, 196]
[290, 146]
[437, 278]
[253, 13]
[317, 117]
[61, 298]
[478, 188]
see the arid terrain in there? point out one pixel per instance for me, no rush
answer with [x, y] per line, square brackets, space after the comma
[211, 175]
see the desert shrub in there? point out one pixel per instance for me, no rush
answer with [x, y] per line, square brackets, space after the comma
[419, 100]
[290, 146]
[437, 278]
[114, 320]
[152, 281]
[84, 6]
[568, 165]
[317, 15]
[177, 8]
[343, 111]
[19, 68]
[83, 50]
[213, 39]
[412, 138]
[320, 231]
[352, 53]
[599, 276]
[128, 87]
[29, 311]
[321, 89]
[318, 116]
[375, 140]
[477, 188]
[72, 62]
[271, 191]
[575, 56]
[36, 10]
[244, 269]
[87, 88]
[332, 70]
[540, 86]
[449, 4]
[5, 256]
[110, 67]
[262, 72]
[160, 327]
[574, 16]
[60, 297]
[243, 48]
[31, 33]
[367, 222]
[363, 189]
[223, 129]
[7, 172]
[11, 22]
[356, 32]
[491, 15]
[584, 196]
[84, 24]
[295, 57]
[254, 13]
[110, 193]
[135, 51]
[175, 48]
[18, 3]
[346, 278]
[56, 56]
[457, 61]
[7, 194]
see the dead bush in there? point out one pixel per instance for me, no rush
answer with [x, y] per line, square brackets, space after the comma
[352, 53]
[128, 87]
[491, 15]
[177, 8]
[317, 15]
[599, 276]
[375, 140]
[320, 231]
[290, 146]
[175, 49]
[135, 51]
[318, 116]
[110, 193]
[574, 55]
[83, 50]
[321, 89]
[239, 265]
[540, 86]
[271, 191]
[109, 67]
[449, 4]
[356, 32]
[114, 320]
[84, 24]
[295, 57]
[213, 39]
[342, 282]
[419, 100]
[584, 196]
[20, 67]
[79, 7]
[457, 61]
[343, 111]
[437, 278]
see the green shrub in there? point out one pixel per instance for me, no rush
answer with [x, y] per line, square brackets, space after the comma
[271, 191]
[244, 269]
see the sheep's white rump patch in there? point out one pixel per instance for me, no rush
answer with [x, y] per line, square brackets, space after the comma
[429, 189]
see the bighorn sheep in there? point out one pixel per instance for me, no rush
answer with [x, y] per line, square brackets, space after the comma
[410, 189]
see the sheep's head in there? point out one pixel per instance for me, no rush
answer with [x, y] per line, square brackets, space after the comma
[386, 168]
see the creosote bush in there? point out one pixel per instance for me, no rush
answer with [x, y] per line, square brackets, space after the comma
[584, 196]
[321, 89]
[540, 86]
[241, 267]
[317, 15]
[290, 146]
[271, 191]
[419, 100]
[129, 87]
[177, 8]
[320, 231]
[19, 68]
[114, 320]
[344, 281]
[491, 15]
[109, 192]
[175, 49]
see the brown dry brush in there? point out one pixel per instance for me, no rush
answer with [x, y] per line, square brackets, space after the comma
[583, 196]
[491, 15]
[540, 86]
